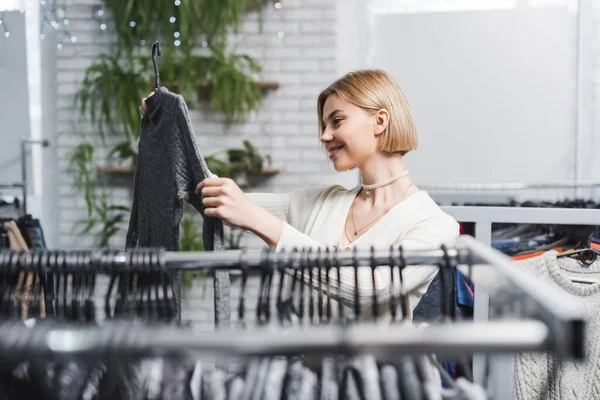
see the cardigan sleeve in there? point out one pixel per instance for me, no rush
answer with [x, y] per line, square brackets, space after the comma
[294, 209]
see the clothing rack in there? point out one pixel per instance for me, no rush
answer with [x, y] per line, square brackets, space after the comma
[510, 186]
[559, 325]
[550, 305]
[135, 340]
[483, 218]
[505, 192]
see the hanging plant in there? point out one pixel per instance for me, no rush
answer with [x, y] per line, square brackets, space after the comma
[115, 83]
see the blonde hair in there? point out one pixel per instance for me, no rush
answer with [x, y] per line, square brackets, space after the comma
[373, 90]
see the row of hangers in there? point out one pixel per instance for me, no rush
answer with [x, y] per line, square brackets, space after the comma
[75, 272]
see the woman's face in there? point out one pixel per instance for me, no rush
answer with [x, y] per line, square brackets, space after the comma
[349, 133]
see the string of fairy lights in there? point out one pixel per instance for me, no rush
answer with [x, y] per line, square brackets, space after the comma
[54, 18]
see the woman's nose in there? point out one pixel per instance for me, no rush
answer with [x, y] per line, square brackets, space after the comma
[326, 136]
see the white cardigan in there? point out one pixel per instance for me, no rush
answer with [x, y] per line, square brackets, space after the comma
[316, 218]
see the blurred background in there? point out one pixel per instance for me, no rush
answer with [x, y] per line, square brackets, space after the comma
[504, 93]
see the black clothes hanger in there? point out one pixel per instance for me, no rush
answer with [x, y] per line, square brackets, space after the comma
[448, 298]
[262, 306]
[327, 283]
[271, 264]
[393, 302]
[401, 262]
[156, 52]
[289, 309]
[582, 237]
[320, 285]
[279, 302]
[303, 258]
[356, 289]
[311, 292]
[463, 364]
[336, 260]
[242, 302]
[373, 267]
[90, 308]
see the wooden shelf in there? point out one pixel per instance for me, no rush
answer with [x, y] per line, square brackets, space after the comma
[270, 171]
[115, 170]
[264, 85]
[128, 170]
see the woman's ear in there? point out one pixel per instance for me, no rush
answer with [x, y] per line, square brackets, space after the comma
[382, 118]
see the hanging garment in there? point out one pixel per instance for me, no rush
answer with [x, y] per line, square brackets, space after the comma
[169, 167]
[540, 375]
[28, 283]
[38, 234]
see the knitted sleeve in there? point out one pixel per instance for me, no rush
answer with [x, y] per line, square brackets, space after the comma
[293, 207]
[191, 169]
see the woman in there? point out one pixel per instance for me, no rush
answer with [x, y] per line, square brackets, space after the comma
[366, 123]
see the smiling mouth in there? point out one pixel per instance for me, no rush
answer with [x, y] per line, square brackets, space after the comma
[334, 150]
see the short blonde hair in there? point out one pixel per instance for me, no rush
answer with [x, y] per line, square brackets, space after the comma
[373, 90]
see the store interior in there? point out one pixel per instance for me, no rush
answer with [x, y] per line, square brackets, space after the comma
[121, 281]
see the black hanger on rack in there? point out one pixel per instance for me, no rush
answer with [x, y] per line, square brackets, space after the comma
[242, 301]
[303, 262]
[373, 273]
[156, 52]
[271, 264]
[89, 306]
[311, 291]
[287, 309]
[158, 312]
[355, 264]
[318, 265]
[584, 252]
[401, 262]
[338, 267]
[263, 284]
[393, 302]
[39, 262]
[279, 302]
[328, 283]
[142, 283]
[448, 298]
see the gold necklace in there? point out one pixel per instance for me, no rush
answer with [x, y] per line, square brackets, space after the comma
[376, 219]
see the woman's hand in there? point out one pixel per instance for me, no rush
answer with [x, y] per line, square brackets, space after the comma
[144, 108]
[224, 199]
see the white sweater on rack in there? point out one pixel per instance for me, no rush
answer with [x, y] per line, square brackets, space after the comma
[316, 218]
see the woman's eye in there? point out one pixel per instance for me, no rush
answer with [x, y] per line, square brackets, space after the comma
[337, 121]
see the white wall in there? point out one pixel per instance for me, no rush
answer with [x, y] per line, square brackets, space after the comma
[14, 98]
[285, 127]
[492, 92]
[438, 47]
[28, 111]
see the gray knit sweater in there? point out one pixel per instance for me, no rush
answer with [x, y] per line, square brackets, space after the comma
[539, 375]
[168, 169]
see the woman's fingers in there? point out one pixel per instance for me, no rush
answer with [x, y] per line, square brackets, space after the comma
[209, 183]
[144, 108]
[211, 191]
[212, 201]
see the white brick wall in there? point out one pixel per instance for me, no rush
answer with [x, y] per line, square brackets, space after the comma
[302, 62]
[285, 127]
